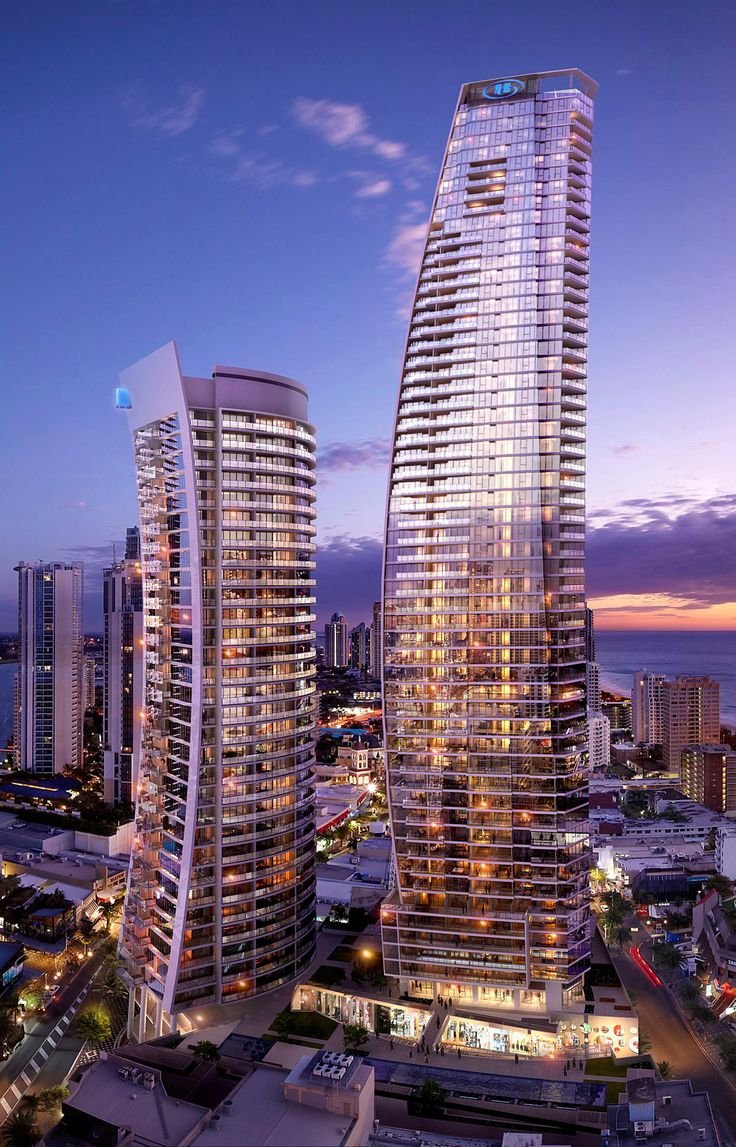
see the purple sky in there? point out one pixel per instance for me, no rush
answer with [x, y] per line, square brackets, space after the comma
[253, 180]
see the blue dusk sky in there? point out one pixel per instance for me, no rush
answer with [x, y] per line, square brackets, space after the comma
[253, 180]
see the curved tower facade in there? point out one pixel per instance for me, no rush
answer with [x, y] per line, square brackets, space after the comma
[221, 896]
[484, 607]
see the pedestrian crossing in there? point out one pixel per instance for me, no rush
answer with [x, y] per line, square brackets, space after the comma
[9, 1101]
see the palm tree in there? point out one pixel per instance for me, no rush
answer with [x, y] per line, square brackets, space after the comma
[84, 933]
[19, 1131]
[665, 1069]
[113, 988]
[621, 934]
[110, 911]
[206, 1050]
[94, 1026]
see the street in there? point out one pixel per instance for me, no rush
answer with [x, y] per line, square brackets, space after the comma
[48, 1051]
[673, 1041]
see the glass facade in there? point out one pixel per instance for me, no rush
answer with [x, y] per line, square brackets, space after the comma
[484, 609]
[221, 900]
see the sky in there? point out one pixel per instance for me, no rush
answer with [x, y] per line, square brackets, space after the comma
[254, 180]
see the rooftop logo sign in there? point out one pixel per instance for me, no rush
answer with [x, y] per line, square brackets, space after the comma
[500, 88]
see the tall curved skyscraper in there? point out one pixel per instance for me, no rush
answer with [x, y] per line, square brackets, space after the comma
[484, 607]
[221, 897]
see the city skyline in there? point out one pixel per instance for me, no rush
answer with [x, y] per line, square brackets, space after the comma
[355, 154]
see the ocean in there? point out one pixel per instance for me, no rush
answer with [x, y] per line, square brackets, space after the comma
[710, 652]
[8, 670]
[620, 654]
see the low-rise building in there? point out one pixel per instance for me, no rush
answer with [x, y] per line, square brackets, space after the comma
[708, 776]
[714, 934]
[355, 880]
[12, 958]
[666, 1112]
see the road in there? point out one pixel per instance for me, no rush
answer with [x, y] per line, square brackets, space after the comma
[672, 1040]
[48, 1051]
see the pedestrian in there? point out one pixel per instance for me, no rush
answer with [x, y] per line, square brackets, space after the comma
[516, 1057]
[409, 1053]
[442, 1049]
[391, 1043]
[458, 1053]
[426, 1058]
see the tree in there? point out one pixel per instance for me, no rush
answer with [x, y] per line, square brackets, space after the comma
[664, 1067]
[85, 933]
[326, 750]
[94, 1025]
[113, 988]
[355, 1036]
[722, 885]
[645, 1041]
[206, 1050]
[666, 954]
[621, 934]
[432, 1096]
[19, 1131]
[51, 1097]
[110, 910]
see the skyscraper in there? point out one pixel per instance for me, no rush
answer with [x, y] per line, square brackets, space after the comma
[691, 715]
[49, 693]
[647, 699]
[484, 610]
[123, 696]
[599, 727]
[360, 647]
[376, 641]
[221, 903]
[89, 674]
[336, 642]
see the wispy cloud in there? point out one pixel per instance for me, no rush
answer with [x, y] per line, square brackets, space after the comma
[405, 249]
[626, 449]
[368, 454]
[370, 187]
[80, 505]
[343, 125]
[348, 576]
[171, 119]
[256, 167]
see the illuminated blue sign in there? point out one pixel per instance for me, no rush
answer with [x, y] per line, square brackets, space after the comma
[500, 88]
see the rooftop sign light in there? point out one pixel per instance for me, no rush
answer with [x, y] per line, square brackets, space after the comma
[501, 88]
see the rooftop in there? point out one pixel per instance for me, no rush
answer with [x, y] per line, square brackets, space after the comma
[104, 1094]
[258, 1115]
[677, 1122]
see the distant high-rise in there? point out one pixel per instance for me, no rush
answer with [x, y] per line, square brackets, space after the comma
[337, 653]
[89, 675]
[484, 609]
[589, 634]
[376, 642]
[221, 899]
[647, 699]
[691, 715]
[123, 697]
[708, 776]
[49, 693]
[360, 647]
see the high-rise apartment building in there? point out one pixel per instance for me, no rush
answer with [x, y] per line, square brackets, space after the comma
[691, 715]
[646, 707]
[337, 649]
[593, 687]
[484, 609]
[123, 697]
[89, 684]
[708, 776]
[49, 693]
[599, 741]
[221, 901]
[360, 647]
[376, 641]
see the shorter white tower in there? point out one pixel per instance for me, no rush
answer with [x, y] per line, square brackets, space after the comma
[50, 705]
